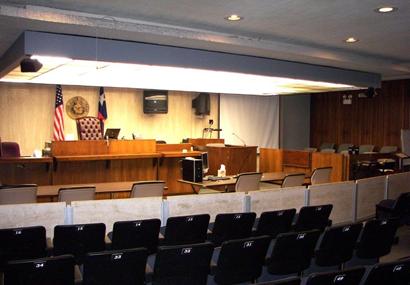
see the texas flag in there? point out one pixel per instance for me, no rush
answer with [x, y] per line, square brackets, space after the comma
[102, 107]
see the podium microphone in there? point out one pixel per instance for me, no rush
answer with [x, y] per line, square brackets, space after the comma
[244, 144]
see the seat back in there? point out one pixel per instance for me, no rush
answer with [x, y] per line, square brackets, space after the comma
[313, 217]
[346, 277]
[402, 204]
[232, 226]
[321, 175]
[388, 149]
[241, 260]
[366, 148]
[22, 243]
[76, 194]
[186, 229]
[377, 238]
[392, 273]
[18, 194]
[293, 180]
[292, 252]
[183, 264]
[46, 271]
[337, 245]
[326, 145]
[89, 128]
[273, 223]
[248, 181]
[148, 189]
[9, 149]
[79, 240]
[344, 147]
[125, 267]
[133, 234]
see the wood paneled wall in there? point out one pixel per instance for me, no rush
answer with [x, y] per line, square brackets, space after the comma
[375, 120]
[27, 110]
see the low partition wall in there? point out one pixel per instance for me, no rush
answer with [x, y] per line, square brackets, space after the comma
[25, 215]
[369, 192]
[277, 199]
[211, 204]
[351, 201]
[111, 211]
[341, 195]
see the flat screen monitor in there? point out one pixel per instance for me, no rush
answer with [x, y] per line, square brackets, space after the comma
[205, 165]
[155, 102]
[112, 133]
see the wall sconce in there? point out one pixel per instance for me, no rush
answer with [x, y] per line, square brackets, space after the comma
[347, 99]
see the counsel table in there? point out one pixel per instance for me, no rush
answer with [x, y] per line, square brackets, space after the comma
[276, 177]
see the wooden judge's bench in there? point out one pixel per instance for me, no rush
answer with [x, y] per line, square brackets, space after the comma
[106, 162]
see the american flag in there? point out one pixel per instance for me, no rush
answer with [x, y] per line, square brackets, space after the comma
[102, 106]
[58, 133]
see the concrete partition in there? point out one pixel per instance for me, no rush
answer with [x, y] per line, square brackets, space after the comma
[397, 184]
[41, 214]
[111, 211]
[211, 204]
[340, 195]
[277, 199]
[369, 192]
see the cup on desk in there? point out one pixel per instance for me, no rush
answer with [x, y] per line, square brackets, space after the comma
[184, 151]
[37, 153]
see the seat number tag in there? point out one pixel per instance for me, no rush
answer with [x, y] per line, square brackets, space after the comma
[248, 244]
[301, 236]
[190, 219]
[80, 228]
[238, 216]
[398, 268]
[339, 278]
[18, 232]
[39, 265]
[116, 256]
[186, 250]
[138, 224]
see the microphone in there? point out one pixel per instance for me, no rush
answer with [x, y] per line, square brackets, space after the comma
[244, 144]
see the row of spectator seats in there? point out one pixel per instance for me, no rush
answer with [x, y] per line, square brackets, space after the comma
[240, 258]
[331, 147]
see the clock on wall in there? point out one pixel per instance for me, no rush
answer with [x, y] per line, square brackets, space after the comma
[77, 107]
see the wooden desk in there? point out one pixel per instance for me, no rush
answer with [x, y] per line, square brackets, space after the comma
[26, 170]
[108, 190]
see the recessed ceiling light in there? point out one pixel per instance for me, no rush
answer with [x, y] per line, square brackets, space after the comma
[351, 40]
[386, 9]
[233, 17]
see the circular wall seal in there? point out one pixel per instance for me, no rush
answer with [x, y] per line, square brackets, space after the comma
[77, 107]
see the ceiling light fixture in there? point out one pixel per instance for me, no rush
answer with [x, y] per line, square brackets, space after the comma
[386, 9]
[351, 40]
[233, 17]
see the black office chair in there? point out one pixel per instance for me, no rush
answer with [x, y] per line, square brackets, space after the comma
[57, 270]
[182, 264]
[232, 226]
[273, 223]
[399, 208]
[392, 273]
[347, 277]
[125, 267]
[375, 241]
[241, 260]
[79, 240]
[287, 281]
[313, 217]
[133, 234]
[337, 245]
[292, 252]
[22, 243]
[186, 229]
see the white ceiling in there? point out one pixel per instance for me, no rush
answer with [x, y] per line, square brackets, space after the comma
[310, 31]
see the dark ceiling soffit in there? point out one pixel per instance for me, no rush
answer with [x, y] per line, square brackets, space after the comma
[12, 57]
[90, 48]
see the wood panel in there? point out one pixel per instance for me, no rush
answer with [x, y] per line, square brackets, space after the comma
[27, 113]
[375, 120]
[173, 147]
[204, 142]
[270, 160]
[335, 160]
[296, 158]
[26, 171]
[237, 159]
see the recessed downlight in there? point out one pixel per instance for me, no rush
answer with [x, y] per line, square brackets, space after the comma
[386, 9]
[351, 40]
[233, 17]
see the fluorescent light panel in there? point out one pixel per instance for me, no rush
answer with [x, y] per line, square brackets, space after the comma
[110, 74]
